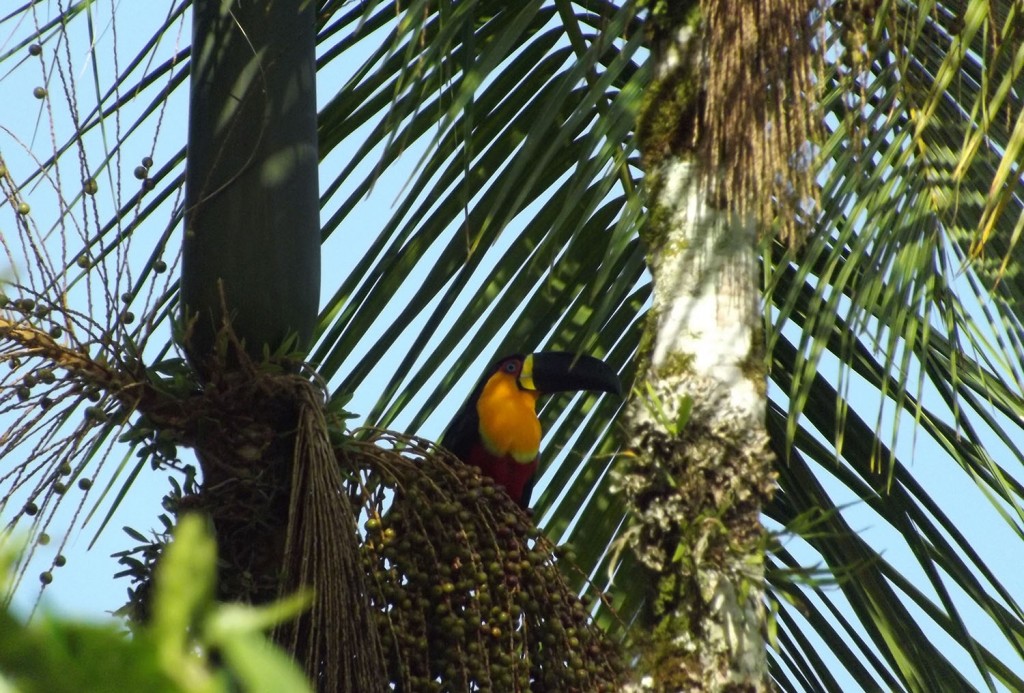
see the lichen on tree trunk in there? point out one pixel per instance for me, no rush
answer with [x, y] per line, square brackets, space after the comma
[701, 469]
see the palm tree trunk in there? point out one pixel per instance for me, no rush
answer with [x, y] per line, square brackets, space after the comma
[702, 469]
[251, 258]
[250, 289]
[251, 252]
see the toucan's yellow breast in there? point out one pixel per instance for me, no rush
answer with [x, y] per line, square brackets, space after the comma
[508, 418]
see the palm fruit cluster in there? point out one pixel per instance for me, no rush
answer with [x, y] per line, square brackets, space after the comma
[468, 594]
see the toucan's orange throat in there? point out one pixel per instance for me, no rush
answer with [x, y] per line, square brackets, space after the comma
[508, 419]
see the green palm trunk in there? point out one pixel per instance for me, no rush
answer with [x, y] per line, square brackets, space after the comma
[250, 288]
[250, 258]
[251, 253]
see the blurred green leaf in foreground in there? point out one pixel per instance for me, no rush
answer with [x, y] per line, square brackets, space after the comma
[192, 643]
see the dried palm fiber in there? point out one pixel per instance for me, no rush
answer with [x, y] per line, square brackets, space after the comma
[337, 640]
[760, 119]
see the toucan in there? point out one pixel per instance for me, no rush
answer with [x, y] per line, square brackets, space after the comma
[497, 429]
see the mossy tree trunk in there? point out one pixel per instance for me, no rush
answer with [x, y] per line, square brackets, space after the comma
[702, 469]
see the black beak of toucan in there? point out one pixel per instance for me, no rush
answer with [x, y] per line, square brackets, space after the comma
[560, 371]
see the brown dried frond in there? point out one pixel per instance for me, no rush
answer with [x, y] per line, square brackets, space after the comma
[761, 117]
[274, 490]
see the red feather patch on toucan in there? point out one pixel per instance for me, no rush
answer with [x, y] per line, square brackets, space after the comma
[516, 477]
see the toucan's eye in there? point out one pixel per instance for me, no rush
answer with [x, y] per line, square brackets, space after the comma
[511, 367]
